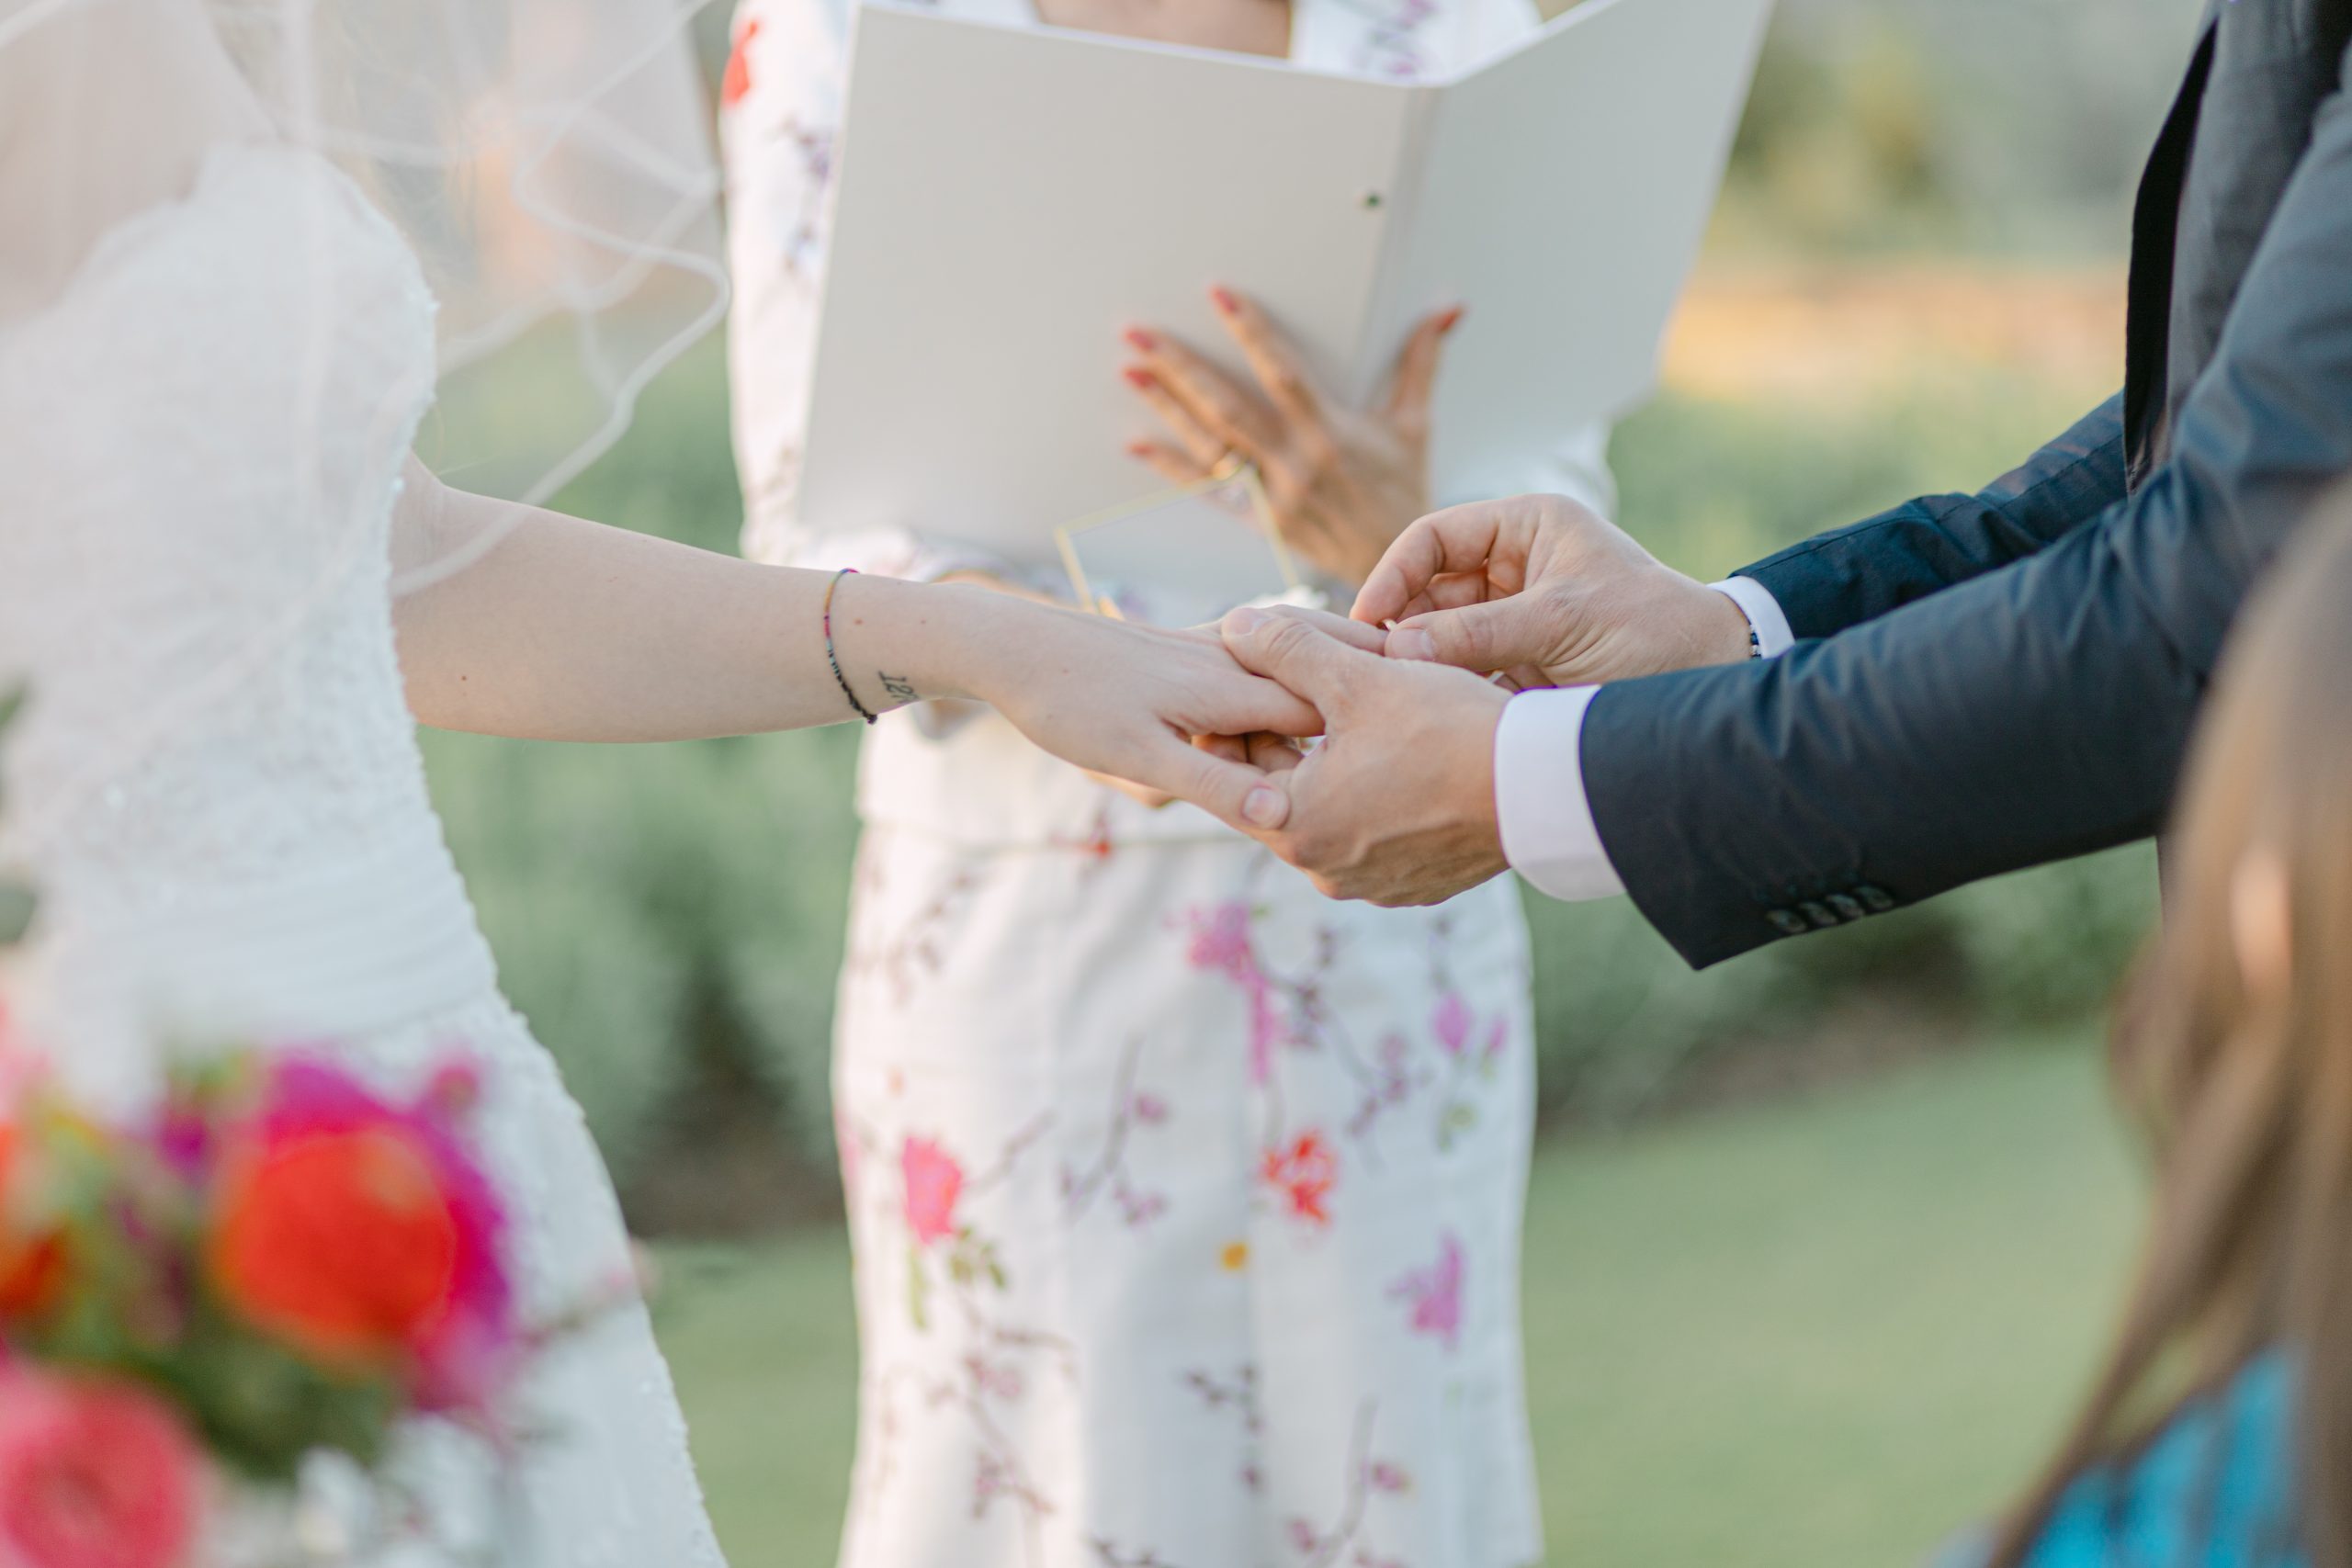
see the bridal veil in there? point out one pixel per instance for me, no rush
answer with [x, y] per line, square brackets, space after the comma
[548, 162]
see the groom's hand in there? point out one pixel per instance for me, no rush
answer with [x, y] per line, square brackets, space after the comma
[1548, 591]
[1396, 805]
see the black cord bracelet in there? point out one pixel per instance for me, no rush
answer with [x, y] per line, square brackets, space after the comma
[833, 658]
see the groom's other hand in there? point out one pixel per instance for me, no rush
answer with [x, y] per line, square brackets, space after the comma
[1546, 591]
[1396, 805]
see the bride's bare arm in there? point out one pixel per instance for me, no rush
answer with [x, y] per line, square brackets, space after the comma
[569, 630]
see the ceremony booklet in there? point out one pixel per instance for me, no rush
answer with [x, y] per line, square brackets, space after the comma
[1011, 199]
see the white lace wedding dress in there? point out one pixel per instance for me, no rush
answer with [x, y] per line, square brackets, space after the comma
[216, 783]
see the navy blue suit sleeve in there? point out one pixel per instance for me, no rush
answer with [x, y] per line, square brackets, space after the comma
[1856, 573]
[2034, 711]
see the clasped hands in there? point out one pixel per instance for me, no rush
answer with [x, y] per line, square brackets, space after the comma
[1396, 804]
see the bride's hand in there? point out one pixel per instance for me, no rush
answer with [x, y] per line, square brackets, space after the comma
[1142, 795]
[1128, 700]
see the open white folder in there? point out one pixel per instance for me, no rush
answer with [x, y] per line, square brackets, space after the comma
[1011, 199]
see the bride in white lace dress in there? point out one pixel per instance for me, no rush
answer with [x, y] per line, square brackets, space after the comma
[215, 353]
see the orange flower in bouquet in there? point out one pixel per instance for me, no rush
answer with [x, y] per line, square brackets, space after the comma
[363, 1232]
[342, 1242]
[32, 1259]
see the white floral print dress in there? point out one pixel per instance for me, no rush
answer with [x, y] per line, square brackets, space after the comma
[1185, 1202]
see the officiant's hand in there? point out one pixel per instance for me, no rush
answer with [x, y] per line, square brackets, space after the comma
[1396, 805]
[1342, 481]
[1546, 591]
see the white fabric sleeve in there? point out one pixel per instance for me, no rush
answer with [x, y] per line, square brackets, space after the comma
[1765, 617]
[1548, 833]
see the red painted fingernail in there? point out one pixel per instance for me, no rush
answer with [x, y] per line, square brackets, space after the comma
[1138, 448]
[1137, 377]
[1222, 298]
[1141, 341]
[1452, 319]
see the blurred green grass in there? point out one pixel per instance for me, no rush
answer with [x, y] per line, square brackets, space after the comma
[1815, 1333]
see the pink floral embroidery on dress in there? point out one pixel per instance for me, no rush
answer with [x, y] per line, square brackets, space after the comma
[917, 950]
[1349, 1537]
[1132, 1108]
[1221, 944]
[1434, 1294]
[1098, 845]
[1393, 45]
[1304, 1172]
[1454, 1024]
[737, 83]
[1237, 1395]
[934, 1185]
[1221, 941]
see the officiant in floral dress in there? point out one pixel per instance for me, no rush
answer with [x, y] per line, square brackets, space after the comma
[1185, 1204]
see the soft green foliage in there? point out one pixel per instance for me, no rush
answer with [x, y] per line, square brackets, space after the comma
[664, 913]
[638, 897]
[2009, 124]
[1817, 1335]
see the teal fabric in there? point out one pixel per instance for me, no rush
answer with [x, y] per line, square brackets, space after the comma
[2216, 1489]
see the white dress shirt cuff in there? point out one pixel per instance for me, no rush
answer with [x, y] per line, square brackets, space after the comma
[1548, 832]
[1763, 612]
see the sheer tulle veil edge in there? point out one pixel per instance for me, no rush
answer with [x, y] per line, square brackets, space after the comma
[544, 169]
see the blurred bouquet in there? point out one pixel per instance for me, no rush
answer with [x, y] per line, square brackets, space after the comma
[277, 1264]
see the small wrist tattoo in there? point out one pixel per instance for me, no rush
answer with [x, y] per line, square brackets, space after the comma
[898, 688]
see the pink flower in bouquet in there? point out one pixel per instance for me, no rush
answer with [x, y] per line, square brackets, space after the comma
[366, 1232]
[934, 1185]
[92, 1475]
